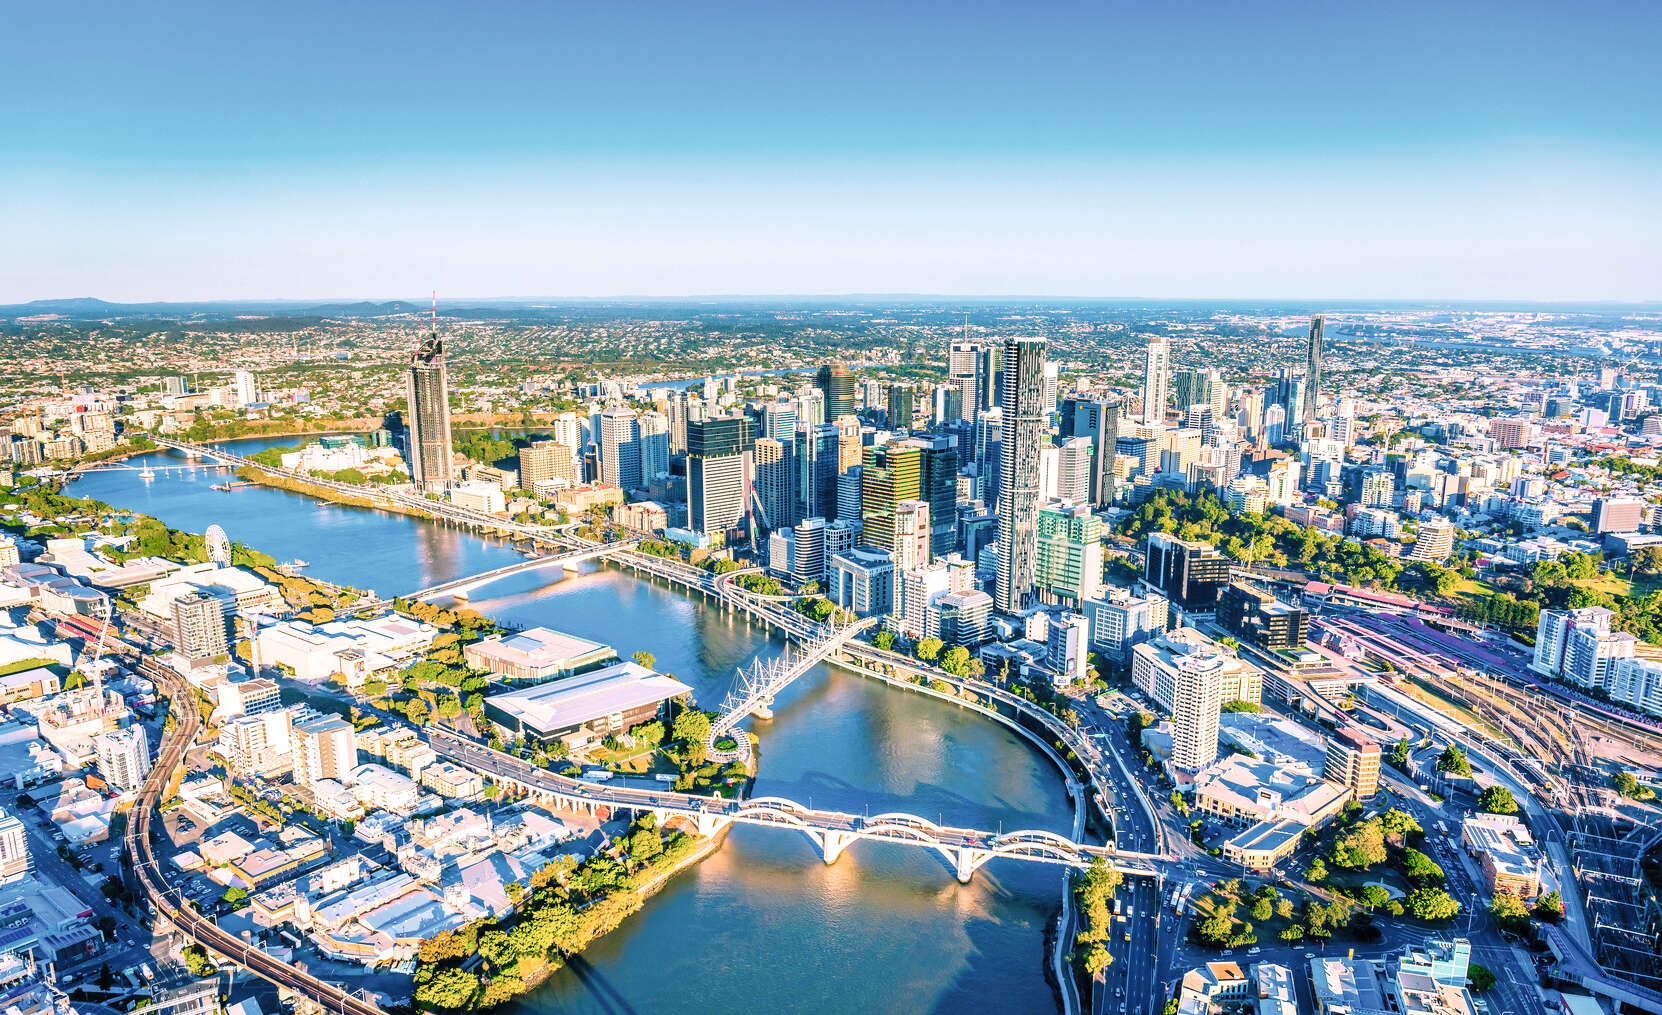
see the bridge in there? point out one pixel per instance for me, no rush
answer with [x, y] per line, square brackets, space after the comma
[967, 850]
[754, 689]
[567, 558]
[441, 510]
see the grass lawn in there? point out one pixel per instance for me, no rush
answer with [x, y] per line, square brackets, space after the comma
[1267, 931]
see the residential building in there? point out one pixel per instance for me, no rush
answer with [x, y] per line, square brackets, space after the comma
[1156, 373]
[1353, 762]
[14, 849]
[201, 627]
[1436, 541]
[620, 448]
[428, 450]
[544, 461]
[1025, 415]
[1313, 369]
[123, 757]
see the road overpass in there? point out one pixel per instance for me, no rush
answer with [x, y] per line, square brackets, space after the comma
[967, 850]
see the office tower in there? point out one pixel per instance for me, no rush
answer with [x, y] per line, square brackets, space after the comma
[817, 471]
[1156, 363]
[970, 369]
[938, 487]
[1098, 420]
[850, 452]
[1313, 369]
[654, 440]
[892, 473]
[837, 385]
[1188, 573]
[900, 406]
[773, 483]
[427, 394]
[810, 408]
[620, 448]
[1191, 387]
[541, 461]
[568, 430]
[965, 617]
[862, 580]
[1619, 514]
[1436, 541]
[719, 475]
[1018, 502]
[1258, 618]
[947, 405]
[325, 747]
[123, 757]
[1121, 621]
[1067, 566]
[849, 485]
[1353, 761]
[1053, 383]
[242, 382]
[1073, 470]
[201, 628]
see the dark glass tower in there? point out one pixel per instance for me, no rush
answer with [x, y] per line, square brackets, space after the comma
[1313, 368]
[837, 384]
[1023, 386]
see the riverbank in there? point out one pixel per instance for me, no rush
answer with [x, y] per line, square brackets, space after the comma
[260, 477]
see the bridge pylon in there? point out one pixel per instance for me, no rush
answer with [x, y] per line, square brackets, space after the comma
[832, 844]
[967, 861]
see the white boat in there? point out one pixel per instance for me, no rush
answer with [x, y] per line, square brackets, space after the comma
[148, 473]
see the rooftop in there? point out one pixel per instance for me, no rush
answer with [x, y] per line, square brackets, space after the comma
[564, 704]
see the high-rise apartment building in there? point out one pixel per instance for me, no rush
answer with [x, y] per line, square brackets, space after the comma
[720, 471]
[620, 448]
[1018, 502]
[243, 387]
[1313, 369]
[1156, 369]
[654, 440]
[541, 461]
[972, 368]
[427, 391]
[837, 384]
[123, 757]
[911, 535]
[1186, 677]
[1353, 762]
[201, 626]
[1068, 563]
[325, 747]
[773, 483]
[1436, 541]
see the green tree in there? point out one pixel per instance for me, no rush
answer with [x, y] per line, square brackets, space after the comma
[417, 712]
[1625, 783]
[928, 649]
[691, 726]
[1432, 904]
[1509, 912]
[1550, 907]
[883, 640]
[1399, 753]
[646, 659]
[1479, 978]
[1453, 761]
[1097, 958]
[1497, 800]
[1317, 871]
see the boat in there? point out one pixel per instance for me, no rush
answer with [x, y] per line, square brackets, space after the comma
[148, 473]
[289, 567]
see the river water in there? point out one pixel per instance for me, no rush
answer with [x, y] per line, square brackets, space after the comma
[763, 924]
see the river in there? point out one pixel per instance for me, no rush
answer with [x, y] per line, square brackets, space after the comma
[763, 924]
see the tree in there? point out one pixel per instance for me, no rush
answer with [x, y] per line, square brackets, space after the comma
[956, 661]
[1647, 560]
[1362, 846]
[1097, 958]
[1421, 869]
[1550, 907]
[1317, 871]
[1453, 761]
[646, 659]
[691, 726]
[883, 640]
[1625, 783]
[929, 649]
[1479, 978]
[1509, 912]
[1262, 909]
[1399, 753]
[1432, 904]
[417, 712]
[1497, 800]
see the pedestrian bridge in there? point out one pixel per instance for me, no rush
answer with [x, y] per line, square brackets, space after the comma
[966, 850]
[568, 559]
[754, 689]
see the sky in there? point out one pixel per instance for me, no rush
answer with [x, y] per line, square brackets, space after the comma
[1402, 150]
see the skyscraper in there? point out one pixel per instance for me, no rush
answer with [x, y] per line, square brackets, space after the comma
[201, 629]
[901, 406]
[620, 448]
[969, 369]
[124, 757]
[892, 473]
[1313, 369]
[1156, 362]
[427, 390]
[1023, 390]
[773, 483]
[719, 474]
[654, 443]
[837, 384]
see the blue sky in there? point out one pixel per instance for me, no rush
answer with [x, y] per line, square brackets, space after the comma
[192, 151]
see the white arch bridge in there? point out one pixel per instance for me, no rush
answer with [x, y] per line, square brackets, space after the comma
[568, 559]
[966, 850]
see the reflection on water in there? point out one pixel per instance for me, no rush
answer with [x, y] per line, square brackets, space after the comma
[764, 924]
